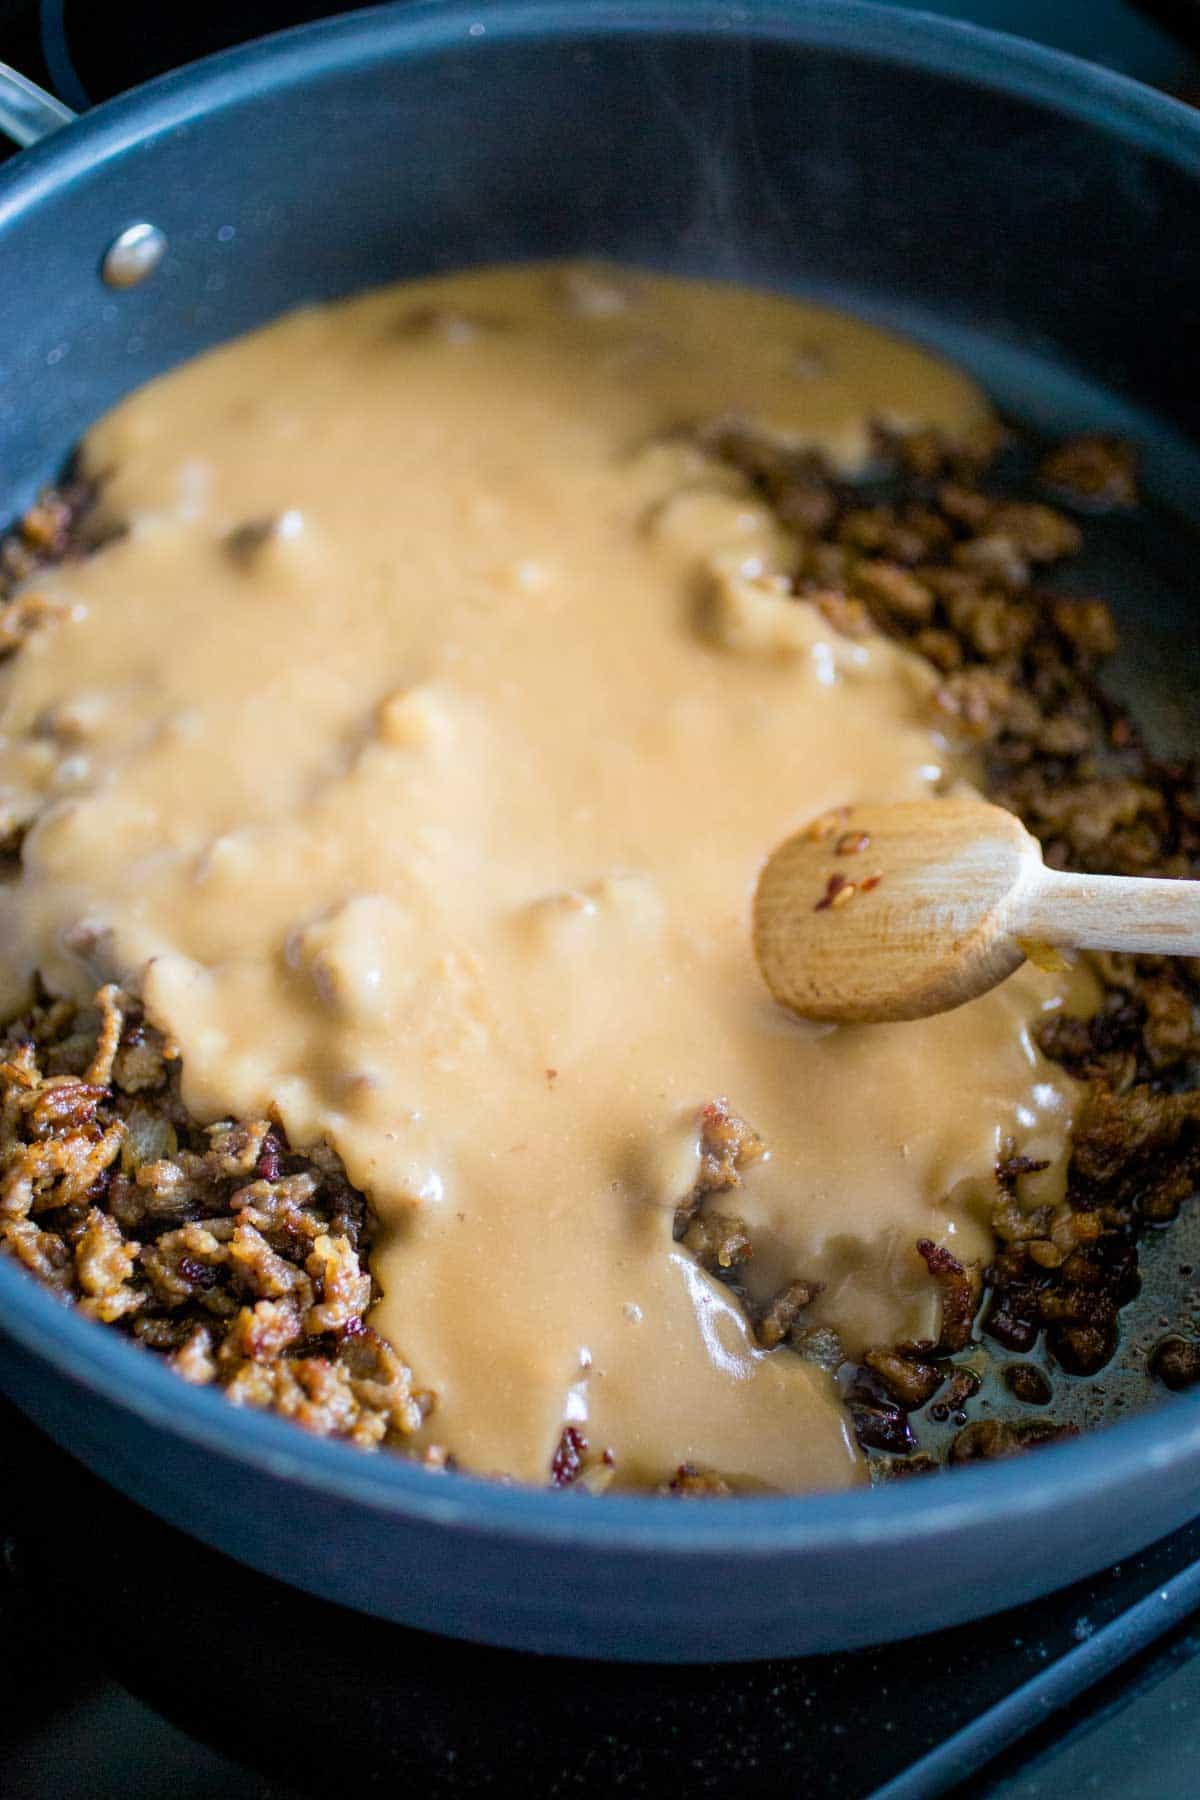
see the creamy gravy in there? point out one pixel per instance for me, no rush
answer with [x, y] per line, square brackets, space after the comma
[425, 811]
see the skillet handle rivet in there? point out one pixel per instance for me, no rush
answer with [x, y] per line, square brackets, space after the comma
[133, 255]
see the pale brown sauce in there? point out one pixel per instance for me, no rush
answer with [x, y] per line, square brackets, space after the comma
[430, 825]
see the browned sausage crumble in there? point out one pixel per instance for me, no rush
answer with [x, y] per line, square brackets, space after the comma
[241, 1263]
[244, 1263]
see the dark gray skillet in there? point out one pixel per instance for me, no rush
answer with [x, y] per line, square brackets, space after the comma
[1037, 217]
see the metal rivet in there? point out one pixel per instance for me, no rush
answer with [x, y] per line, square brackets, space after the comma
[134, 255]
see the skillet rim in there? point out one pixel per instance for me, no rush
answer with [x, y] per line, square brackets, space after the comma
[1091, 1470]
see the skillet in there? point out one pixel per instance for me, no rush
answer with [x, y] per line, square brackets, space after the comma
[1036, 218]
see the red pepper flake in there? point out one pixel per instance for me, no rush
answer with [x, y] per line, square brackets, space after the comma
[270, 1157]
[568, 1458]
[552, 1076]
[851, 842]
[836, 885]
[872, 881]
[827, 823]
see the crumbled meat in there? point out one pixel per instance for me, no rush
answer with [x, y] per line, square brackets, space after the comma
[818, 1344]
[1026, 1383]
[115, 1199]
[1010, 1168]
[1038, 532]
[899, 1468]
[139, 1065]
[260, 1334]
[24, 615]
[193, 1359]
[975, 703]
[848, 617]
[343, 1286]
[718, 1241]
[891, 590]
[1169, 1025]
[44, 1253]
[879, 1423]
[960, 1289]
[1110, 824]
[1096, 472]
[1176, 1362]
[235, 1149]
[908, 1380]
[1088, 627]
[61, 523]
[727, 1146]
[1142, 1145]
[942, 648]
[989, 1439]
[794, 482]
[104, 1264]
[1012, 1316]
[962, 1386]
[112, 1023]
[781, 1315]
[314, 1392]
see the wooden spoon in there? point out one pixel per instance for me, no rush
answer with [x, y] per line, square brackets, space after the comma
[874, 913]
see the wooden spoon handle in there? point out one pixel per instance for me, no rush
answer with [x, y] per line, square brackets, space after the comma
[1108, 912]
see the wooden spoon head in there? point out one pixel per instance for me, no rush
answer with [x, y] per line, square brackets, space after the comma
[874, 913]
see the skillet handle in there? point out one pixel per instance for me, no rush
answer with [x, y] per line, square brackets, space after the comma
[27, 112]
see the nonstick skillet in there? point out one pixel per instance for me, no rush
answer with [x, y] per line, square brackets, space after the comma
[1033, 216]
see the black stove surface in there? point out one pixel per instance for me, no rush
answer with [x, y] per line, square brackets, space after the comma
[142, 1663]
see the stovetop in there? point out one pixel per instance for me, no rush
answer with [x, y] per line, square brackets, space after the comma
[136, 1662]
[142, 1663]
